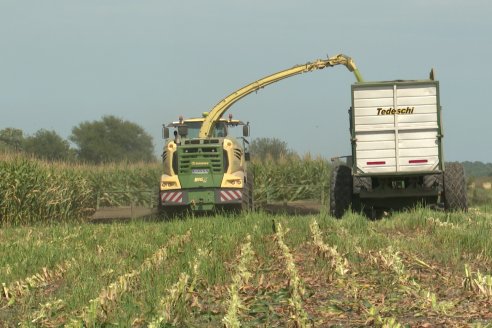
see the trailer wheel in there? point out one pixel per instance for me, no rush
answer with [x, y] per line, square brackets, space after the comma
[433, 180]
[455, 198]
[359, 183]
[362, 183]
[340, 190]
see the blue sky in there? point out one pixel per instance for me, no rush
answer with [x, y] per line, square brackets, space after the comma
[63, 62]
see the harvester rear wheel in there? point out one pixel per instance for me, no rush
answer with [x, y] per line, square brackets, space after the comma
[455, 198]
[340, 190]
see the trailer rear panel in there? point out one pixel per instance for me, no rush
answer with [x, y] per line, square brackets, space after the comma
[396, 127]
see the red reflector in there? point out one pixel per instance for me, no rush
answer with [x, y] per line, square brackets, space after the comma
[417, 161]
[376, 163]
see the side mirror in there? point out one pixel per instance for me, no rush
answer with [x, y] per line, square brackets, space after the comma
[183, 130]
[247, 157]
[245, 130]
[165, 132]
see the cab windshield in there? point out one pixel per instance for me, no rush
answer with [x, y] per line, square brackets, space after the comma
[220, 130]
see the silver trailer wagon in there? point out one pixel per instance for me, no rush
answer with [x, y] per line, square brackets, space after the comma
[397, 152]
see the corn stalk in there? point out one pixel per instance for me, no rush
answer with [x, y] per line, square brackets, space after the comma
[99, 308]
[239, 280]
[338, 263]
[21, 288]
[296, 288]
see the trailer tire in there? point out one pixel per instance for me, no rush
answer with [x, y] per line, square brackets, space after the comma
[362, 183]
[340, 190]
[455, 198]
[359, 184]
[433, 180]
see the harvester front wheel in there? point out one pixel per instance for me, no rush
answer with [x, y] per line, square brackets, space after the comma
[248, 201]
[340, 190]
[163, 212]
[455, 198]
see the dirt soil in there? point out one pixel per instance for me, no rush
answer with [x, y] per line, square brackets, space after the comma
[109, 214]
[301, 207]
[105, 214]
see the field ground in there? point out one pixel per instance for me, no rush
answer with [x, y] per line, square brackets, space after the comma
[110, 214]
[420, 269]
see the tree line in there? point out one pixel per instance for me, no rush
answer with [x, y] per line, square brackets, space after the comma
[110, 139]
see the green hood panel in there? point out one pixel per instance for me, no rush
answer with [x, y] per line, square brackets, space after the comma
[200, 165]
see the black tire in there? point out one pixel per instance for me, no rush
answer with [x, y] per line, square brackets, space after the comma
[164, 212]
[455, 198]
[248, 201]
[359, 183]
[433, 180]
[251, 191]
[340, 190]
[362, 183]
[160, 208]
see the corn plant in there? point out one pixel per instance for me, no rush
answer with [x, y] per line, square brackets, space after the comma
[440, 223]
[376, 320]
[240, 279]
[176, 294]
[477, 282]
[291, 178]
[32, 191]
[390, 259]
[98, 308]
[297, 290]
[428, 300]
[45, 313]
[20, 288]
[339, 264]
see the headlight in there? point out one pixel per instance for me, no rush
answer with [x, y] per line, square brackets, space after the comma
[165, 184]
[235, 182]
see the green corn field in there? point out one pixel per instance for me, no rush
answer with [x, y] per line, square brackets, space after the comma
[33, 190]
[417, 268]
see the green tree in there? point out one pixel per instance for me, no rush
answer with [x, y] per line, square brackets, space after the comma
[12, 139]
[112, 140]
[47, 145]
[269, 148]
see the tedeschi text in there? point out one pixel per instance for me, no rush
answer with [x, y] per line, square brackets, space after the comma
[395, 111]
